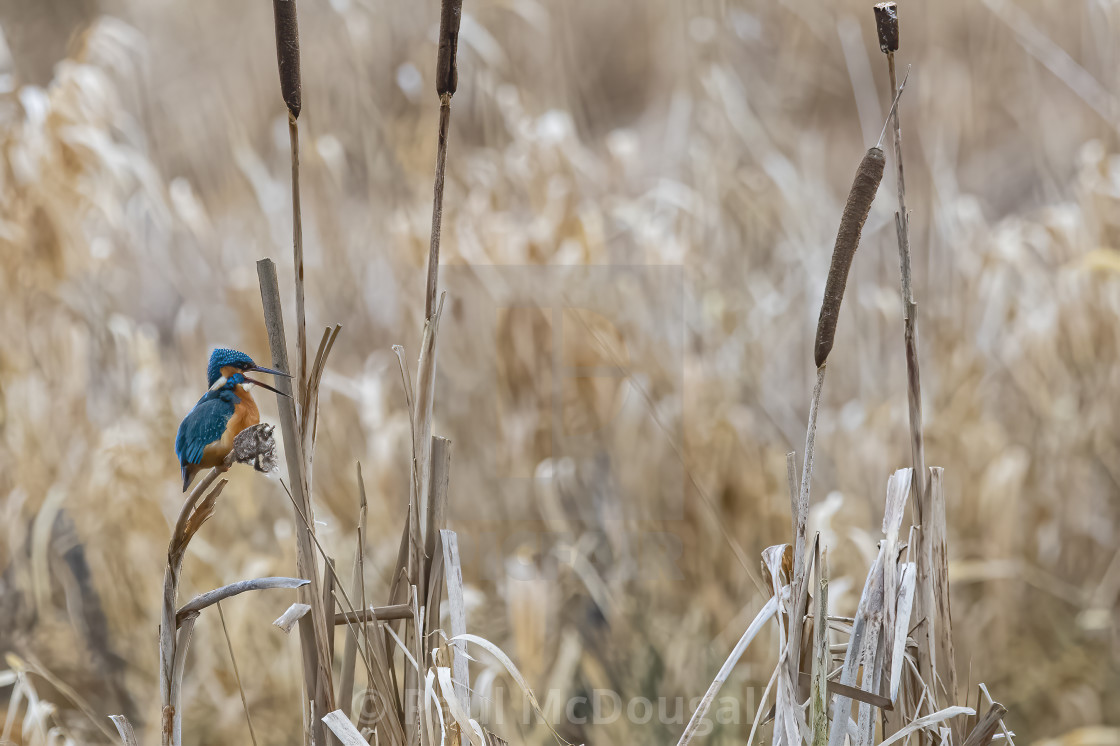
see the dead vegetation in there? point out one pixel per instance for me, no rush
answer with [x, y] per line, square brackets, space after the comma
[137, 197]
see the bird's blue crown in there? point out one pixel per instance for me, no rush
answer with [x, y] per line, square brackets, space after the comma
[222, 357]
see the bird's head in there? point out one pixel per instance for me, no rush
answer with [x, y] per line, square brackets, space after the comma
[230, 366]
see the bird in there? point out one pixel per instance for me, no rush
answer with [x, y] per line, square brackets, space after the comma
[206, 434]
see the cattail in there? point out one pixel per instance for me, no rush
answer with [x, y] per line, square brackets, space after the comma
[868, 176]
[287, 53]
[886, 21]
[447, 72]
[447, 80]
[291, 88]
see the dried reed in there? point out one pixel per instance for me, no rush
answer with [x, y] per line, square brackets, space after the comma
[291, 88]
[254, 446]
[933, 617]
[314, 633]
[876, 645]
[1012, 268]
[856, 210]
[447, 81]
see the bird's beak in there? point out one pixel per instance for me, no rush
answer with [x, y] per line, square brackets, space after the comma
[265, 385]
[259, 369]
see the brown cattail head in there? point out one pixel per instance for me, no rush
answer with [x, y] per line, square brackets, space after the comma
[886, 20]
[287, 53]
[857, 207]
[447, 72]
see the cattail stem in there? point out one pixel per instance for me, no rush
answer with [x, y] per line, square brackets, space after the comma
[900, 180]
[910, 313]
[447, 81]
[291, 88]
[806, 478]
[297, 244]
[886, 16]
[315, 650]
[437, 205]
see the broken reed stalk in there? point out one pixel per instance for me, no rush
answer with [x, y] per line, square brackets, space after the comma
[314, 644]
[799, 611]
[987, 726]
[433, 548]
[291, 88]
[457, 611]
[860, 653]
[374, 614]
[124, 729]
[896, 614]
[818, 701]
[217, 595]
[939, 573]
[447, 80]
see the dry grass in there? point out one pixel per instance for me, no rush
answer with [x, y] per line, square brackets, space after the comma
[142, 185]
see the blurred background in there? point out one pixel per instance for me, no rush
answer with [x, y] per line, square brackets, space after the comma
[145, 170]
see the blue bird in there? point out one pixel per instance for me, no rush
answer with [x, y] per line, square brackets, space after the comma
[206, 434]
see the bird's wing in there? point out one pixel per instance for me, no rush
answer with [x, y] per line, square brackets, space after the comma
[205, 424]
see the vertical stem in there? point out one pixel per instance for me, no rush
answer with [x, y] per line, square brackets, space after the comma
[910, 313]
[182, 642]
[297, 243]
[904, 216]
[316, 659]
[927, 664]
[237, 674]
[794, 502]
[437, 204]
[436, 517]
[358, 588]
[447, 80]
[806, 477]
[168, 628]
[939, 572]
[818, 706]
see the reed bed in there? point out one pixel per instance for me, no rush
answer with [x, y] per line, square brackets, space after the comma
[143, 183]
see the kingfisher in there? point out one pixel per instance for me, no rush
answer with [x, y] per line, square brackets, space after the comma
[206, 434]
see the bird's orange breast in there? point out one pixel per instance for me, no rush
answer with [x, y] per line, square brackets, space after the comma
[245, 414]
